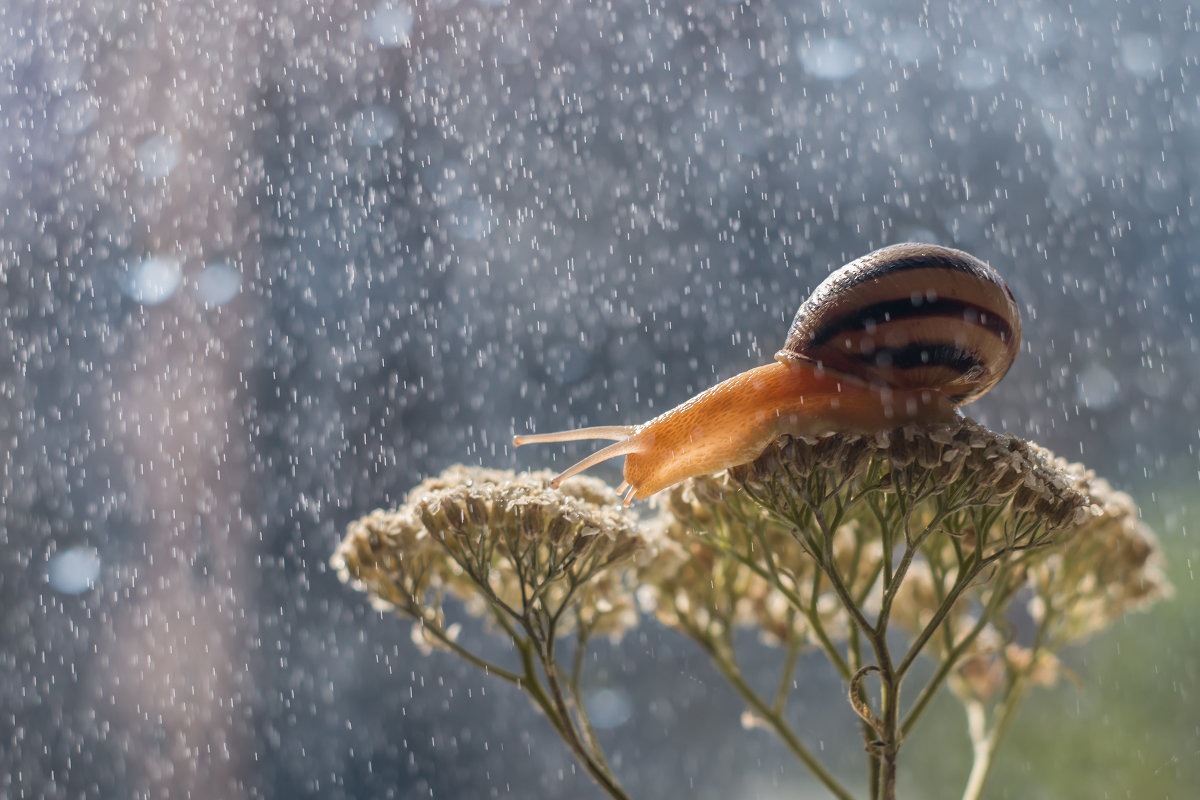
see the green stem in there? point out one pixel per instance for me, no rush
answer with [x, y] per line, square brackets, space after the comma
[532, 685]
[777, 724]
[981, 749]
[912, 547]
[935, 683]
[785, 678]
[890, 734]
[889, 746]
[573, 684]
[467, 655]
[1001, 592]
[985, 747]
[854, 649]
[939, 616]
[595, 766]
[809, 611]
[829, 567]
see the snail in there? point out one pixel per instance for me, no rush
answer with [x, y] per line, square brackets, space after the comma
[904, 334]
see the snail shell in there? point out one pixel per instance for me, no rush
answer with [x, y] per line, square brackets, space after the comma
[911, 316]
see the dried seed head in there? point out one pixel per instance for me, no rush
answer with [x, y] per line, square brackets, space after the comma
[468, 530]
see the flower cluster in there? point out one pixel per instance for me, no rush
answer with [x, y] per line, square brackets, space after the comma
[504, 545]
[923, 536]
[771, 543]
[1110, 565]
[935, 530]
[960, 461]
[693, 586]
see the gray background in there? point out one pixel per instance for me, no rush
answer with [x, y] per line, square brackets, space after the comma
[267, 265]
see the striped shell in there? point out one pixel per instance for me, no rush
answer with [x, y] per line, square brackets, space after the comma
[911, 316]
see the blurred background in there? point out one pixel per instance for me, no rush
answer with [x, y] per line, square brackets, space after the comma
[268, 263]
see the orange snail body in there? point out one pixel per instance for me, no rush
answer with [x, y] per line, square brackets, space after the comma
[903, 334]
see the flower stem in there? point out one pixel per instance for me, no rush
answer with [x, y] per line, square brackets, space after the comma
[560, 714]
[779, 726]
[468, 656]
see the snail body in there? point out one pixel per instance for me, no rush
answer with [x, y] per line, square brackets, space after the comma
[904, 334]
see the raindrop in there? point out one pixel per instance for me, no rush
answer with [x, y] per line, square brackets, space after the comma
[911, 45]
[446, 182]
[471, 219]
[968, 222]
[152, 280]
[64, 73]
[739, 60]
[217, 284]
[511, 45]
[567, 362]
[976, 70]
[77, 111]
[1164, 189]
[1097, 388]
[609, 708]
[157, 156]
[1154, 383]
[743, 133]
[832, 59]
[390, 25]
[1068, 191]
[1043, 33]
[1141, 54]
[373, 125]
[74, 571]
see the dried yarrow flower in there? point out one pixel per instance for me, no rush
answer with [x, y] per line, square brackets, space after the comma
[1109, 565]
[813, 508]
[965, 516]
[500, 543]
[840, 542]
[691, 585]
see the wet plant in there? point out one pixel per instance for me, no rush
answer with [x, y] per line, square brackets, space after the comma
[975, 551]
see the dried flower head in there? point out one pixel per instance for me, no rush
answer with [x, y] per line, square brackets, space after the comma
[991, 670]
[1108, 566]
[693, 585]
[503, 544]
[933, 528]
[840, 542]
[960, 461]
